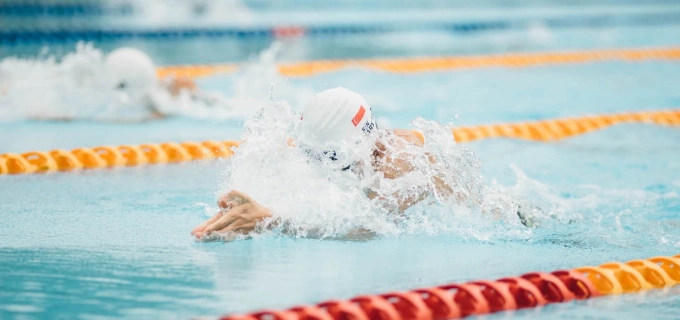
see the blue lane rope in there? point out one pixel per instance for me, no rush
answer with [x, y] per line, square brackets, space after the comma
[28, 8]
[19, 36]
[64, 9]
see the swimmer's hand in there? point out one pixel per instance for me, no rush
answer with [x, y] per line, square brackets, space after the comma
[239, 216]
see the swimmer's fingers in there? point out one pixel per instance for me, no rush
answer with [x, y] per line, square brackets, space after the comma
[232, 199]
[238, 229]
[239, 196]
[241, 226]
[210, 237]
[224, 200]
[215, 223]
[228, 204]
[224, 221]
[220, 221]
[208, 222]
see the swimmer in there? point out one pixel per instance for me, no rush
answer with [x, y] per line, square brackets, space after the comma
[133, 78]
[120, 86]
[332, 116]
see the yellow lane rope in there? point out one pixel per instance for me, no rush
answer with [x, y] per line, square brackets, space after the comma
[196, 71]
[550, 130]
[412, 65]
[170, 152]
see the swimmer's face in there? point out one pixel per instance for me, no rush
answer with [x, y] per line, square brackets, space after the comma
[320, 154]
[328, 156]
[132, 74]
[131, 85]
[344, 156]
[128, 94]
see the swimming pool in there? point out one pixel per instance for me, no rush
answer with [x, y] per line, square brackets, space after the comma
[115, 242]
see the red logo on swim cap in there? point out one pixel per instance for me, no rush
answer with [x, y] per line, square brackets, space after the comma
[360, 115]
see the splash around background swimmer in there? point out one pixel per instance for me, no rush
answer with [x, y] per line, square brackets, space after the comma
[333, 120]
[122, 86]
[133, 77]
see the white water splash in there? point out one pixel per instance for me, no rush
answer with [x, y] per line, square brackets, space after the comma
[313, 197]
[78, 87]
[258, 82]
[75, 87]
[591, 214]
[316, 199]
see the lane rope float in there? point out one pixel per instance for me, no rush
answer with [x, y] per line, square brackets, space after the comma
[24, 9]
[170, 152]
[556, 129]
[413, 65]
[112, 156]
[14, 34]
[451, 301]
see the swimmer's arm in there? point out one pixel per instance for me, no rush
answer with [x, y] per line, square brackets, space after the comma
[240, 215]
[402, 202]
[178, 84]
[396, 167]
[418, 139]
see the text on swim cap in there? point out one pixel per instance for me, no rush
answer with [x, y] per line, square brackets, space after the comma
[360, 115]
[368, 127]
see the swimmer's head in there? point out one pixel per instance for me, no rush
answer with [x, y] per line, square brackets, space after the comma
[132, 71]
[337, 116]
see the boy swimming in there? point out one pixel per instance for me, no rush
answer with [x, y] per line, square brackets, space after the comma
[334, 118]
[121, 86]
[139, 94]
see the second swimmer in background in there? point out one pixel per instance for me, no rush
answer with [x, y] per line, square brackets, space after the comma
[88, 85]
[141, 95]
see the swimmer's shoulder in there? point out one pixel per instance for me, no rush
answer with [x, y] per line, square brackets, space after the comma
[411, 136]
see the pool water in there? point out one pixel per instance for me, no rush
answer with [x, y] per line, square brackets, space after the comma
[115, 243]
[463, 97]
[72, 247]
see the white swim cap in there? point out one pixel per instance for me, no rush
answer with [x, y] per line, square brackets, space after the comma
[337, 115]
[131, 70]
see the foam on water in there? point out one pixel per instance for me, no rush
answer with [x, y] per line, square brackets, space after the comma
[592, 216]
[79, 87]
[46, 88]
[315, 198]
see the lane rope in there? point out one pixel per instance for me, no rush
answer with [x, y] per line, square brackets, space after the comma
[23, 34]
[556, 129]
[24, 9]
[170, 152]
[413, 65]
[452, 301]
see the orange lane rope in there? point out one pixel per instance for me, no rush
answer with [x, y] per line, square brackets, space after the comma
[452, 301]
[170, 152]
[412, 65]
[195, 71]
[550, 130]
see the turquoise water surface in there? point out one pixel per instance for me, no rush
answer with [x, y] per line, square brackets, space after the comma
[115, 243]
